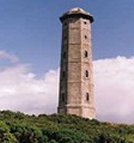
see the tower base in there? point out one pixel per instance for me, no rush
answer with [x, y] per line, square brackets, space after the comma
[82, 111]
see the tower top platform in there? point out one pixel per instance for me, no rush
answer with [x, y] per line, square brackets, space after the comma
[77, 12]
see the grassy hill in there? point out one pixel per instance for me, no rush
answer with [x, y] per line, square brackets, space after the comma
[57, 128]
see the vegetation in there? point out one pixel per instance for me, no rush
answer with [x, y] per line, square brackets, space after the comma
[57, 128]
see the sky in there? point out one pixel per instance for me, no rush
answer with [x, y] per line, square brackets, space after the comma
[30, 44]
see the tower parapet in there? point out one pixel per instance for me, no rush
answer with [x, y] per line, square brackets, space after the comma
[77, 12]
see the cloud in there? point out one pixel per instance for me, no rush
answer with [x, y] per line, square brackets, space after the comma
[21, 90]
[7, 56]
[114, 83]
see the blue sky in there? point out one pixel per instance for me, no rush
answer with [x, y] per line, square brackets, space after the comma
[30, 44]
[31, 30]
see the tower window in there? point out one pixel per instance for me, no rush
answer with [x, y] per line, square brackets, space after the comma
[63, 97]
[65, 24]
[87, 96]
[65, 35]
[85, 36]
[63, 74]
[86, 54]
[85, 22]
[64, 55]
[87, 74]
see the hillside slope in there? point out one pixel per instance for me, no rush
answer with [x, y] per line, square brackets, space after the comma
[57, 128]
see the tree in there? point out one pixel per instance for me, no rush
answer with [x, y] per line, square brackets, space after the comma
[5, 135]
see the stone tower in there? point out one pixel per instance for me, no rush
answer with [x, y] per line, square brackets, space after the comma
[76, 94]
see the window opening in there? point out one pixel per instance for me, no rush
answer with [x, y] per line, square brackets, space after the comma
[65, 24]
[85, 36]
[87, 96]
[87, 73]
[64, 55]
[63, 74]
[63, 97]
[86, 54]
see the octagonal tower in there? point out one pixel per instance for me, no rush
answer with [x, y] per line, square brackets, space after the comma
[76, 95]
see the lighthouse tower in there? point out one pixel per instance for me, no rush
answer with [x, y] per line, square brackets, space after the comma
[76, 95]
